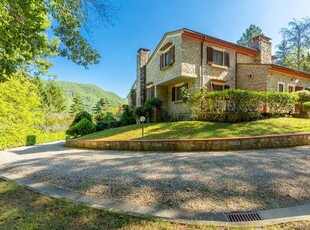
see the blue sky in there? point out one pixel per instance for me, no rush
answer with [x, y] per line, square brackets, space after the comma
[142, 23]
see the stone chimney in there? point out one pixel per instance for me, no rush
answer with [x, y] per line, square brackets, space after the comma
[263, 45]
[143, 56]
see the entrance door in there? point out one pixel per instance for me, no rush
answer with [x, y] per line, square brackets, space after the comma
[291, 88]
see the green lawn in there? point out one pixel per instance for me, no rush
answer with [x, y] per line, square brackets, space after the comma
[199, 129]
[21, 208]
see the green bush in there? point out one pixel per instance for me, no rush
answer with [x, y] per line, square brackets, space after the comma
[83, 127]
[80, 116]
[140, 111]
[102, 125]
[239, 105]
[128, 116]
[306, 107]
[11, 141]
[279, 102]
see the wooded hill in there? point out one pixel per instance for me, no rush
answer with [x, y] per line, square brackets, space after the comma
[90, 94]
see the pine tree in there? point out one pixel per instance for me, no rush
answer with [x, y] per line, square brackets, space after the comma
[77, 105]
[56, 99]
[251, 32]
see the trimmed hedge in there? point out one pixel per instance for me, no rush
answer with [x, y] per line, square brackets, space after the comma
[7, 141]
[240, 105]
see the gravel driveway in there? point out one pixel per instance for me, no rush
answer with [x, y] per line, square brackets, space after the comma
[191, 181]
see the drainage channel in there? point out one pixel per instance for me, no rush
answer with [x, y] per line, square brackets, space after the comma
[243, 216]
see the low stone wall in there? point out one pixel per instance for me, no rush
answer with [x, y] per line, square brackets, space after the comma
[208, 144]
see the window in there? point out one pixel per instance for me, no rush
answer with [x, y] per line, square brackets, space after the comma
[177, 94]
[167, 58]
[217, 87]
[217, 57]
[150, 92]
[280, 87]
[291, 88]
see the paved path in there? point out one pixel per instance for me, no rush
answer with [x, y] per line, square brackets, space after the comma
[28, 165]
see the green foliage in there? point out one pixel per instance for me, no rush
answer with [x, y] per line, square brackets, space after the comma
[83, 127]
[90, 94]
[101, 109]
[128, 116]
[77, 105]
[106, 124]
[31, 140]
[297, 38]
[306, 107]
[80, 116]
[239, 105]
[303, 96]
[139, 111]
[56, 100]
[251, 32]
[25, 45]
[279, 102]
[20, 110]
[151, 104]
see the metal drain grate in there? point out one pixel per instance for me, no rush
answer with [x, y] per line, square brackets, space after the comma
[243, 216]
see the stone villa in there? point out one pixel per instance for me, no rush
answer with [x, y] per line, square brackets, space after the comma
[186, 58]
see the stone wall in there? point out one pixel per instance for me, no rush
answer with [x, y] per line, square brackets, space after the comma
[252, 77]
[273, 78]
[153, 72]
[210, 144]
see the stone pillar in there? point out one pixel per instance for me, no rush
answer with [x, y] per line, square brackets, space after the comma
[143, 56]
[263, 45]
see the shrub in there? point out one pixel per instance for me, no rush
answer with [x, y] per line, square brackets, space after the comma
[102, 125]
[279, 102]
[31, 140]
[80, 116]
[83, 127]
[140, 111]
[128, 117]
[306, 107]
[303, 96]
[239, 105]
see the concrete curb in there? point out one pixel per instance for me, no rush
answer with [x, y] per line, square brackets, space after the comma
[272, 216]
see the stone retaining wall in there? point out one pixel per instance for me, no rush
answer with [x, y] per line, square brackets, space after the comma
[208, 144]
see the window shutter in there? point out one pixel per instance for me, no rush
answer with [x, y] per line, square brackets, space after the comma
[226, 59]
[173, 93]
[144, 96]
[153, 91]
[172, 55]
[161, 61]
[210, 55]
[298, 88]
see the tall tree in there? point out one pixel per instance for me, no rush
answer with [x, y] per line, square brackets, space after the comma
[55, 97]
[284, 56]
[251, 32]
[25, 44]
[297, 35]
[77, 105]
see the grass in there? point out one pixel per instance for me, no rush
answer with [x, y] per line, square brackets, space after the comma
[200, 129]
[21, 208]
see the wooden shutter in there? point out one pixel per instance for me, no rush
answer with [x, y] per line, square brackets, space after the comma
[172, 55]
[226, 59]
[161, 61]
[173, 94]
[144, 96]
[298, 88]
[153, 91]
[210, 55]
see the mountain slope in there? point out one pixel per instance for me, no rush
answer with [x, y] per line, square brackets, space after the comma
[90, 94]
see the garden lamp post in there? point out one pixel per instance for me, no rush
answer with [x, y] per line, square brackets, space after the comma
[142, 119]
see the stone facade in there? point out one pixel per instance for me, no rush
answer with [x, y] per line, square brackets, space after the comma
[143, 56]
[274, 78]
[249, 68]
[252, 76]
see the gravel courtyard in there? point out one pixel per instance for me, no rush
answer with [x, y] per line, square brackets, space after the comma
[190, 181]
